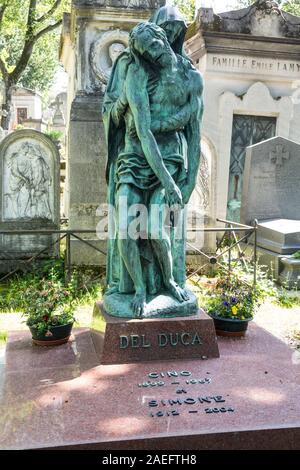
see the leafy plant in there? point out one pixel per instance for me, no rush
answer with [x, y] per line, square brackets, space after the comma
[50, 304]
[232, 298]
[54, 135]
[3, 337]
[85, 285]
[296, 255]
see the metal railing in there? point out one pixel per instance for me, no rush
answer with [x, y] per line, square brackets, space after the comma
[231, 230]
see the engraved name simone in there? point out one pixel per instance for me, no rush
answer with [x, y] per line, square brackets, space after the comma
[162, 340]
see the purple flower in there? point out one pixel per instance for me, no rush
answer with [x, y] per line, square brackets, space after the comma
[234, 300]
[226, 304]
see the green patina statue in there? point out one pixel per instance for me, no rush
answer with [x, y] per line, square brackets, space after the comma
[152, 114]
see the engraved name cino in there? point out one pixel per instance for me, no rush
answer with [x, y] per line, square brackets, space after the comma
[183, 399]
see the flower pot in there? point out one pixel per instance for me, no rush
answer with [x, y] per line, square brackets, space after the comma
[230, 327]
[59, 335]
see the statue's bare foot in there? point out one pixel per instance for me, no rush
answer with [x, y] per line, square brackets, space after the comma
[177, 292]
[112, 290]
[139, 304]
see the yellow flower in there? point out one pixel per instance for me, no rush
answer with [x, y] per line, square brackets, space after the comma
[234, 310]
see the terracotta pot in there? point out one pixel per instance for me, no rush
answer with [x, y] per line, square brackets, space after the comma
[230, 327]
[60, 335]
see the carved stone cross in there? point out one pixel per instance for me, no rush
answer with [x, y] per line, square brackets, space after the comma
[279, 155]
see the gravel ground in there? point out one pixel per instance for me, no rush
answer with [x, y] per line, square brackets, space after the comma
[281, 322]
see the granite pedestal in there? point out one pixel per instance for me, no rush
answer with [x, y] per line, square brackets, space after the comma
[119, 340]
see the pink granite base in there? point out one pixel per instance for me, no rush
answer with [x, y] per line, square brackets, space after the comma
[122, 341]
[61, 398]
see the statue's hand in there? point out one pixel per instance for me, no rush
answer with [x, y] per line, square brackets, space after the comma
[173, 195]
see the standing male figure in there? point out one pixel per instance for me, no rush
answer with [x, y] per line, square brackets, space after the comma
[162, 105]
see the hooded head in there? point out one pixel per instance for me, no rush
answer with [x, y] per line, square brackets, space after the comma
[173, 22]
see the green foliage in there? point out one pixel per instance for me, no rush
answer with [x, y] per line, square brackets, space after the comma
[187, 8]
[29, 41]
[3, 337]
[54, 135]
[84, 286]
[49, 304]
[287, 299]
[291, 6]
[297, 255]
[43, 64]
[232, 297]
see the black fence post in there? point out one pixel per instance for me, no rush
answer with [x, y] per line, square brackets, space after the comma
[68, 257]
[255, 253]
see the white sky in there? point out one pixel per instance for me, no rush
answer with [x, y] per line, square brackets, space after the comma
[218, 5]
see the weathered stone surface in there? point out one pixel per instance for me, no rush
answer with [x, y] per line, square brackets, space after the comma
[263, 18]
[118, 341]
[271, 181]
[280, 235]
[132, 4]
[29, 192]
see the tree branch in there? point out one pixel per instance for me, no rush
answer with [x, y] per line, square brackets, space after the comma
[30, 20]
[50, 12]
[27, 51]
[46, 30]
[3, 70]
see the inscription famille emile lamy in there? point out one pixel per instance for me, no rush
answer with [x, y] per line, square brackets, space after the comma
[248, 63]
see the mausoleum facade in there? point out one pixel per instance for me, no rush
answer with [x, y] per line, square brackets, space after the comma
[250, 60]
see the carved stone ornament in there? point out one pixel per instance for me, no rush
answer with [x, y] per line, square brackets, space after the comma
[104, 52]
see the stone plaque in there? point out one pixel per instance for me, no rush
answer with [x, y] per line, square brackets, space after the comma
[29, 191]
[271, 181]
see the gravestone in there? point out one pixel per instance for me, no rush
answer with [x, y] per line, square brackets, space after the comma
[271, 195]
[29, 195]
[271, 181]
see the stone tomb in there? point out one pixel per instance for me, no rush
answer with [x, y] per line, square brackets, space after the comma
[279, 235]
[271, 181]
[29, 195]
